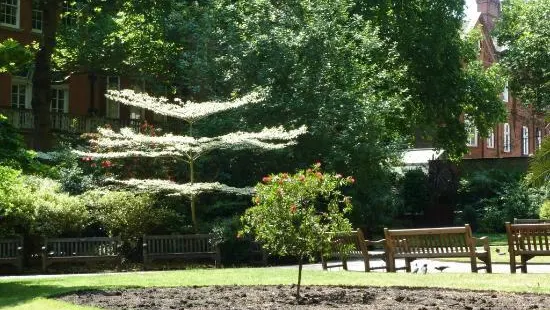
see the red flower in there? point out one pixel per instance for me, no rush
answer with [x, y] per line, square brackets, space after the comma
[86, 159]
[93, 165]
[319, 175]
[293, 209]
[257, 200]
[351, 179]
[338, 176]
[106, 164]
[301, 177]
[266, 179]
[317, 164]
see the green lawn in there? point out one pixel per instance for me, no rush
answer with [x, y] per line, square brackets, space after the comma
[32, 294]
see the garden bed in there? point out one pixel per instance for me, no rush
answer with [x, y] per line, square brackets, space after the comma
[313, 297]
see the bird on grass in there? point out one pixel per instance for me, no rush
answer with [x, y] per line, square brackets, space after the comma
[424, 269]
[441, 268]
[415, 270]
[499, 252]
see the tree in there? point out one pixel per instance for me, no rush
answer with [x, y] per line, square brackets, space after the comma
[539, 166]
[294, 213]
[42, 78]
[524, 29]
[127, 143]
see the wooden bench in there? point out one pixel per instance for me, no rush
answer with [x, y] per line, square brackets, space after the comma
[527, 241]
[446, 242]
[87, 250]
[11, 252]
[346, 245]
[530, 221]
[196, 246]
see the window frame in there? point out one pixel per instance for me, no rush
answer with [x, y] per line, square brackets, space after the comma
[538, 138]
[36, 10]
[507, 138]
[505, 93]
[17, 16]
[57, 89]
[525, 140]
[491, 139]
[471, 132]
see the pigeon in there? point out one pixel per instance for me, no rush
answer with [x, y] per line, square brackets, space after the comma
[424, 269]
[441, 268]
[415, 270]
[499, 252]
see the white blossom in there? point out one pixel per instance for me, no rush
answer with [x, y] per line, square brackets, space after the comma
[187, 189]
[127, 143]
[188, 111]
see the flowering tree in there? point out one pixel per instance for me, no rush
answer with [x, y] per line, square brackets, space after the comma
[109, 144]
[292, 214]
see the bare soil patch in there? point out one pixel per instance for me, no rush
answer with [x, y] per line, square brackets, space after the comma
[313, 297]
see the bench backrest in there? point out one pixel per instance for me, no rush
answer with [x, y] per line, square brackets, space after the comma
[530, 221]
[528, 237]
[446, 240]
[9, 247]
[92, 246]
[195, 243]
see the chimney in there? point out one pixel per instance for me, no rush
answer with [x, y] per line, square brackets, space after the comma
[490, 12]
[489, 7]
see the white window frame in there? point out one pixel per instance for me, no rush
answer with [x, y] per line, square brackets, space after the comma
[525, 140]
[471, 131]
[491, 139]
[506, 136]
[17, 14]
[505, 96]
[36, 10]
[65, 91]
[28, 92]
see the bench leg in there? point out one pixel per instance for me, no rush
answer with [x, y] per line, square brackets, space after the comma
[524, 260]
[391, 263]
[473, 264]
[512, 263]
[408, 264]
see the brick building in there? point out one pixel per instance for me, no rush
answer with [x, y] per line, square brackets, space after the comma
[78, 102]
[522, 132]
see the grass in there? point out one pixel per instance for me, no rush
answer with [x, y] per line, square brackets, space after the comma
[33, 294]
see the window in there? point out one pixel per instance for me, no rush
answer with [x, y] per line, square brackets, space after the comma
[60, 101]
[18, 96]
[68, 17]
[9, 13]
[525, 140]
[505, 93]
[113, 107]
[36, 16]
[538, 138]
[506, 137]
[491, 139]
[471, 132]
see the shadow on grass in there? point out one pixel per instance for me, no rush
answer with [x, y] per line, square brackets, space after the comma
[15, 293]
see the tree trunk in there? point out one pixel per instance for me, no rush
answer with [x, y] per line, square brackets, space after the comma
[41, 84]
[300, 263]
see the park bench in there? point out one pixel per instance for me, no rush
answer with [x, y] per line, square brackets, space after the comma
[168, 247]
[75, 250]
[352, 244]
[446, 242]
[527, 241]
[11, 252]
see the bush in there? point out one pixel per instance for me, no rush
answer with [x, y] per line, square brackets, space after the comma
[545, 210]
[32, 205]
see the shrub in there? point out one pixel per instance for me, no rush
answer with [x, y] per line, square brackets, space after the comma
[35, 206]
[545, 210]
[293, 213]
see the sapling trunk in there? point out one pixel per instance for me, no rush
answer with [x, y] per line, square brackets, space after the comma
[300, 262]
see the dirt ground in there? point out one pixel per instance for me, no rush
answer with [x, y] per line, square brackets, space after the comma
[314, 297]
